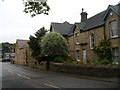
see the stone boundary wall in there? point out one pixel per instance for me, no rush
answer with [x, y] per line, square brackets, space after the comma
[41, 66]
[81, 69]
[87, 70]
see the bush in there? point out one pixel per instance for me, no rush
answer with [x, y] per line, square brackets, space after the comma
[53, 44]
[68, 58]
[74, 62]
[35, 63]
[102, 61]
[59, 60]
[104, 49]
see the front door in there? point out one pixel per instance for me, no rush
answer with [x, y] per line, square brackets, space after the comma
[84, 56]
[77, 55]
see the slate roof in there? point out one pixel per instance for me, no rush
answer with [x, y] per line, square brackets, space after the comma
[21, 43]
[80, 25]
[92, 22]
[116, 8]
[62, 28]
[96, 20]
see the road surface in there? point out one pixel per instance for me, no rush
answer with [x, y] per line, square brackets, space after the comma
[16, 76]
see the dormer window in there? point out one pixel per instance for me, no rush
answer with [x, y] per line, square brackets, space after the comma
[77, 38]
[113, 29]
[92, 40]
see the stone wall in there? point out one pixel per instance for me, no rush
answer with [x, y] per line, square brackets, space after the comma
[40, 66]
[87, 70]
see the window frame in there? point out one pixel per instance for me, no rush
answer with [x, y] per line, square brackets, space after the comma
[77, 38]
[115, 54]
[113, 29]
[77, 52]
[92, 40]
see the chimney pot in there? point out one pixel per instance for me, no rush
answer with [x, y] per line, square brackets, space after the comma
[82, 9]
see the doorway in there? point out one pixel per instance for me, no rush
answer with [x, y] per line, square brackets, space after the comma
[84, 56]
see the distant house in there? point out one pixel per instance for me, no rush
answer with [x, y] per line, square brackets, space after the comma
[62, 28]
[20, 52]
[12, 55]
[86, 34]
[9, 55]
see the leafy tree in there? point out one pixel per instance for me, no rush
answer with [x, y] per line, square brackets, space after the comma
[53, 44]
[34, 42]
[36, 7]
[104, 49]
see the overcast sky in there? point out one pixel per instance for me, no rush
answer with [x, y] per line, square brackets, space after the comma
[15, 24]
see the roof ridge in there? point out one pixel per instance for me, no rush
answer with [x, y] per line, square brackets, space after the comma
[61, 23]
[22, 40]
[96, 14]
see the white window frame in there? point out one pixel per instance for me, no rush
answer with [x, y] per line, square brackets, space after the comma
[115, 54]
[113, 29]
[92, 40]
[77, 39]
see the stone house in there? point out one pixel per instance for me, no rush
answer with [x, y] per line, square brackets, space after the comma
[82, 36]
[85, 35]
[21, 52]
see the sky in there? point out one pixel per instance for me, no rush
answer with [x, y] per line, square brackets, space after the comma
[15, 24]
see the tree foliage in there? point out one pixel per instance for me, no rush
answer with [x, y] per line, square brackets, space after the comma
[34, 42]
[53, 44]
[104, 49]
[36, 7]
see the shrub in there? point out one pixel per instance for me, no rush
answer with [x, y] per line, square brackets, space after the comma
[59, 60]
[104, 49]
[35, 63]
[68, 58]
[102, 61]
[53, 44]
[74, 62]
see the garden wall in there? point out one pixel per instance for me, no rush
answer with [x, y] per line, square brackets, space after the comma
[87, 70]
[40, 66]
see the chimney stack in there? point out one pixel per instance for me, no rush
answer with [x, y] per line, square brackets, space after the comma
[83, 16]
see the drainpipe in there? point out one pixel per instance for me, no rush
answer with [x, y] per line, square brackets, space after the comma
[104, 32]
[119, 35]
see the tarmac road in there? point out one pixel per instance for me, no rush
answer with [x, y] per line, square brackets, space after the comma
[16, 76]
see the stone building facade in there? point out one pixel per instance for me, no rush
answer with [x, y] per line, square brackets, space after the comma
[21, 52]
[86, 34]
[83, 36]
